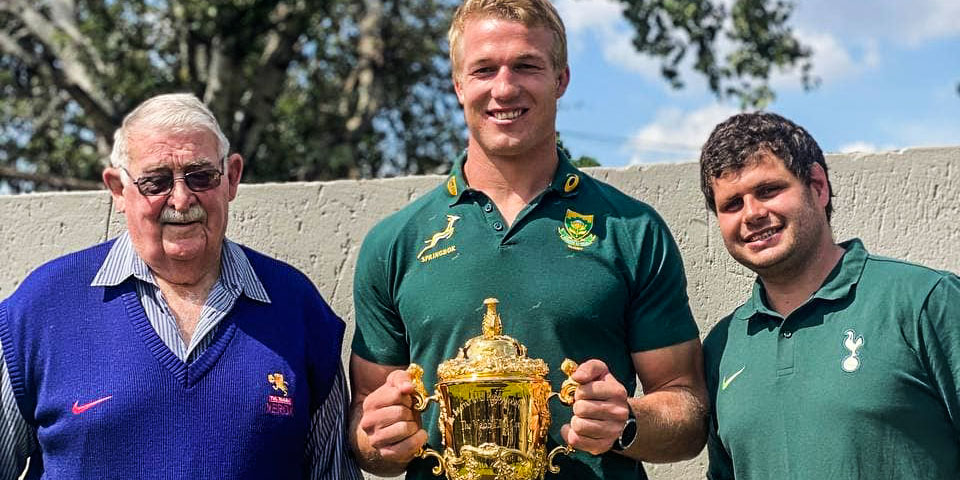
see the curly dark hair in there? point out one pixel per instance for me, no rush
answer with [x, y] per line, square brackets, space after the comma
[746, 137]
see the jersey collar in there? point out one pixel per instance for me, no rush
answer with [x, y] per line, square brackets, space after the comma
[837, 285]
[567, 180]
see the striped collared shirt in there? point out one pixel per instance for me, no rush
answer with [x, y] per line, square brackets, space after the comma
[236, 278]
[327, 451]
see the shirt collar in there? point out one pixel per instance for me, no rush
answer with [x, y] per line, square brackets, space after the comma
[122, 262]
[566, 180]
[837, 285]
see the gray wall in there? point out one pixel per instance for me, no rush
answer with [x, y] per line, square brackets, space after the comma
[902, 204]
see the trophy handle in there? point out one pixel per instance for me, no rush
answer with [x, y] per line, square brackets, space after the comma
[420, 403]
[420, 398]
[567, 390]
[569, 387]
[441, 464]
[565, 449]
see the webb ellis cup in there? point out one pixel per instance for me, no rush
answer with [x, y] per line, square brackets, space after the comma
[493, 408]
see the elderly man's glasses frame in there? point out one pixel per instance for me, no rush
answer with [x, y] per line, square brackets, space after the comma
[161, 183]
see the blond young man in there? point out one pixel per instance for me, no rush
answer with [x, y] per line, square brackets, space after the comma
[581, 270]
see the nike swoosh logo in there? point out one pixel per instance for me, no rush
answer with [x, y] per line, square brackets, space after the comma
[728, 380]
[78, 409]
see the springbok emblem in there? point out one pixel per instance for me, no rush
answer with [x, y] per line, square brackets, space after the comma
[853, 343]
[441, 235]
[278, 383]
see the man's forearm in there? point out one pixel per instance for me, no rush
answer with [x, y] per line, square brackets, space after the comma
[671, 425]
[367, 457]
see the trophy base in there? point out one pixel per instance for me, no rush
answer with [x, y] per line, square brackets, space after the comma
[493, 462]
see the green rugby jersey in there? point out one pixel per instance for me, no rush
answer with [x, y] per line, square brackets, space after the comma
[584, 272]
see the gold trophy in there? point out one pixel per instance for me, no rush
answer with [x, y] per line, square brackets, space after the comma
[493, 408]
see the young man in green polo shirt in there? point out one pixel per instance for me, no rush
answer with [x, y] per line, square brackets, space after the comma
[842, 364]
[581, 271]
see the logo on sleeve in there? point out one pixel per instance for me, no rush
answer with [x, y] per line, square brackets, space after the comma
[279, 404]
[434, 239]
[575, 231]
[853, 344]
[728, 380]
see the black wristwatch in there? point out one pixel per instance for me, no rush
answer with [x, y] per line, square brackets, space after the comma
[628, 435]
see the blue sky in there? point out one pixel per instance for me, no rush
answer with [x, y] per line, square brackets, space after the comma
[889, 71]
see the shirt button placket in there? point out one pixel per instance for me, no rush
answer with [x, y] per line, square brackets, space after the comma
[785, 353]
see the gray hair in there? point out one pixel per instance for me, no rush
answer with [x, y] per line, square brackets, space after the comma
[177, 112]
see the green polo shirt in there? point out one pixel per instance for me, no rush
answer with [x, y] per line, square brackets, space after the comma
[584, 272]
[860, 382]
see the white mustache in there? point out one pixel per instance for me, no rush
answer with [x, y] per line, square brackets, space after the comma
[195, 213]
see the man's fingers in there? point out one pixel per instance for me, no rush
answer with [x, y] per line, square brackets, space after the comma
[404, 450]
[600, 430]
[602, 410]
[583, 443]
[392, 434]
[590, 371]
[401, 380]
[396, 390]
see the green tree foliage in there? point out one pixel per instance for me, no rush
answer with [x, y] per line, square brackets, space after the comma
[305, 89]
[757, 36]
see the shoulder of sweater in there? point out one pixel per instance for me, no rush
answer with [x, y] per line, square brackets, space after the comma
[67, 270]
[276, 274]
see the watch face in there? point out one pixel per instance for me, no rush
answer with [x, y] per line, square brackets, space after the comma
[628, 435]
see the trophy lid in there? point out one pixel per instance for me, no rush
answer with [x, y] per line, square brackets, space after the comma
[491, 354]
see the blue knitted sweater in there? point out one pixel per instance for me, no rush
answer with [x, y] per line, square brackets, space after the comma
[110, 400]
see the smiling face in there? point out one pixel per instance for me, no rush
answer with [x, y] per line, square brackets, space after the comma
[771, 221]
[509, 87]
[179, 235]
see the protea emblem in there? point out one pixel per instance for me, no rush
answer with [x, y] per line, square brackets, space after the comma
[576, 230]
[853, 343]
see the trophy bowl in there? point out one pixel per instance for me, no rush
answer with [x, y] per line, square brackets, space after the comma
[493, 408]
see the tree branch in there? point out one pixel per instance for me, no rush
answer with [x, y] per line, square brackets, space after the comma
[361, 83]
[55, 182]
[72, 74]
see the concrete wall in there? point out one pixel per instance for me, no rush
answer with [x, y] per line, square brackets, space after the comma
[902, 204]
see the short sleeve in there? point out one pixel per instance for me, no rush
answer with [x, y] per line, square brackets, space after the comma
[939, 325]
[380, 335]
[659, 313]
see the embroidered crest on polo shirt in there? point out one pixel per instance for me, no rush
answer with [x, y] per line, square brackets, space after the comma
[452, 186]
[435, 239]
[279, 404]
[853, 344]
[575, 231]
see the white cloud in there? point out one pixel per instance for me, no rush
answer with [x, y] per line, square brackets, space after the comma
[861, 147]
[603, 19]
[675, 135]
[581, 15]
[847, 37]
[832, 59]
[896, 21]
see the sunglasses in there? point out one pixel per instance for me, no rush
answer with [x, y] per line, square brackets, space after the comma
[161, 183]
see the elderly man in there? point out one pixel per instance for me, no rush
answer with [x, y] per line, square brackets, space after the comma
[841, 364]
[169, 351]
[581, 270]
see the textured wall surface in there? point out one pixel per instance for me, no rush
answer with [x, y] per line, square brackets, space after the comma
[902, 204]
